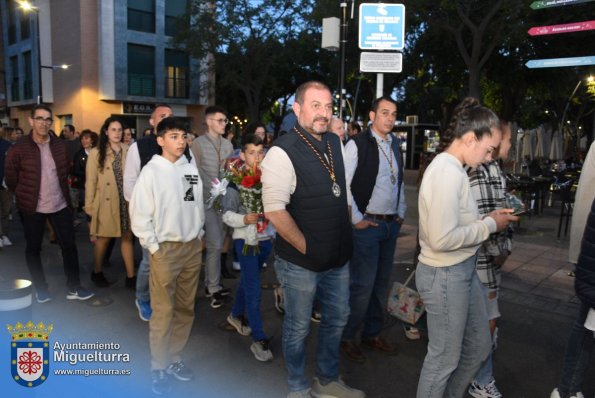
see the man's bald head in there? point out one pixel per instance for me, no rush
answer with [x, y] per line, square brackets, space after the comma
[337, 126]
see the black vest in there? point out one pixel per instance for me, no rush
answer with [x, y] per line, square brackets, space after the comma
[364, 178]
[322, 217]
[148, 146]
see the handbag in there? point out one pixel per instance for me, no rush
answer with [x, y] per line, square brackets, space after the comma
[405, 302]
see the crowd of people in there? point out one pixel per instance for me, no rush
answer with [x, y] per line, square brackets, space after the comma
[330, 207]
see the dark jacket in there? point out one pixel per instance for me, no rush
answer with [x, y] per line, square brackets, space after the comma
[79, 167]
[584, 283]
[23, 171]
[322, 217]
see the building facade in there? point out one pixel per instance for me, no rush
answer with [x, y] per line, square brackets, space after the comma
[120, 58]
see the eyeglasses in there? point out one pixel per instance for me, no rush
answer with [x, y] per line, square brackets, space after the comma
[40, 119]
[224, 121]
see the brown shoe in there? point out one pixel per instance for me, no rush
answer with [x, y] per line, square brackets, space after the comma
[352, 351]
[379, 344]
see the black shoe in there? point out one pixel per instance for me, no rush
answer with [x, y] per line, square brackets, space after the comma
[179, 371]
[217, 300]
[224, 291]
[160, 382]
[99, 279]
[130, 283]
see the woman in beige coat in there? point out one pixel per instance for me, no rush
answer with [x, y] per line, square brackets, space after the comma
[105, 203]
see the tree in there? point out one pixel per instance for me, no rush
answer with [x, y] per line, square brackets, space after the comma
[475, 27]
[241, 43]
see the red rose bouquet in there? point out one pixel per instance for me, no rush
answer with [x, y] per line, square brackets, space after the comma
[249, 186]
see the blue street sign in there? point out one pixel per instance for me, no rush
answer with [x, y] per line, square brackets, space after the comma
[381, 26]
[559, 62]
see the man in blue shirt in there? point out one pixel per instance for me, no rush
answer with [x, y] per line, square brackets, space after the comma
[374, 166]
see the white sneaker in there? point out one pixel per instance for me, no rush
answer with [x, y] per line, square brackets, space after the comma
[239, 323]
[488, 391]
[300, 394]
[5, 241]
[556, 394]
[261, 351]
[335, 388]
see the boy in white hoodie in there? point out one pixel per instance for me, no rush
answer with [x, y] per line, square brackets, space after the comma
[167, 215]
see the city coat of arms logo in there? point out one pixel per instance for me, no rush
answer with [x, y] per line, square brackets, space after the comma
[30, 353]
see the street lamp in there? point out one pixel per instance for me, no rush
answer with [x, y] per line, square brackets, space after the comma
[54, 67]
[562, 124]
[28, 7]
[589, 80]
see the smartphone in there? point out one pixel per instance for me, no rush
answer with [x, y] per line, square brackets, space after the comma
[520, 212]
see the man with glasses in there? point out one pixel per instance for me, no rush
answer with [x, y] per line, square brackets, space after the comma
[211, 151]
[37, 171]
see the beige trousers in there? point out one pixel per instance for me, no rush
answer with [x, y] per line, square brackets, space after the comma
[174, 270]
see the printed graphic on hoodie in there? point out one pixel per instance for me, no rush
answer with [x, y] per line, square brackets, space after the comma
[188, 181]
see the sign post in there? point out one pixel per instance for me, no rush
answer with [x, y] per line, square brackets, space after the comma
[564, 28]
[381, 62]
[381, 27]
[559, 62]
[536, 5]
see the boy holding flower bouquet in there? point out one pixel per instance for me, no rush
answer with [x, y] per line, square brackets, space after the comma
[243, 211]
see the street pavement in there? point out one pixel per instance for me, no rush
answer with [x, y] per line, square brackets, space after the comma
[537, 303]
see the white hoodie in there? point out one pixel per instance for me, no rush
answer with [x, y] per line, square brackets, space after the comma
[167, 203]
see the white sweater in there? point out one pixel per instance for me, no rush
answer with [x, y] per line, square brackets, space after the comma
[167, 203]
[450, 228]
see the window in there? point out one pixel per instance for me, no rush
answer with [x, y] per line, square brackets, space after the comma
[174, 9]
[12, 18]
[176, 74]
[14, 87]
[63, 120]
[28, 83]
[141, 70]
[25, 26]
[141, 15]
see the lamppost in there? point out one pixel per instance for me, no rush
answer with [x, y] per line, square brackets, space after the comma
[343, 45]
[28, 7]
[562, 124]
[589, 80]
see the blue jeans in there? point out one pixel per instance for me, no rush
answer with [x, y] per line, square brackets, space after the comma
[300, 286]
[458, 328]
[248, 292]
[369, 273]
[578, 355]
[486, 373]
[142, 278]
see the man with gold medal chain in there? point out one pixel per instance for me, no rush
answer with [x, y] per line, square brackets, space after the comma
[305, 197]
